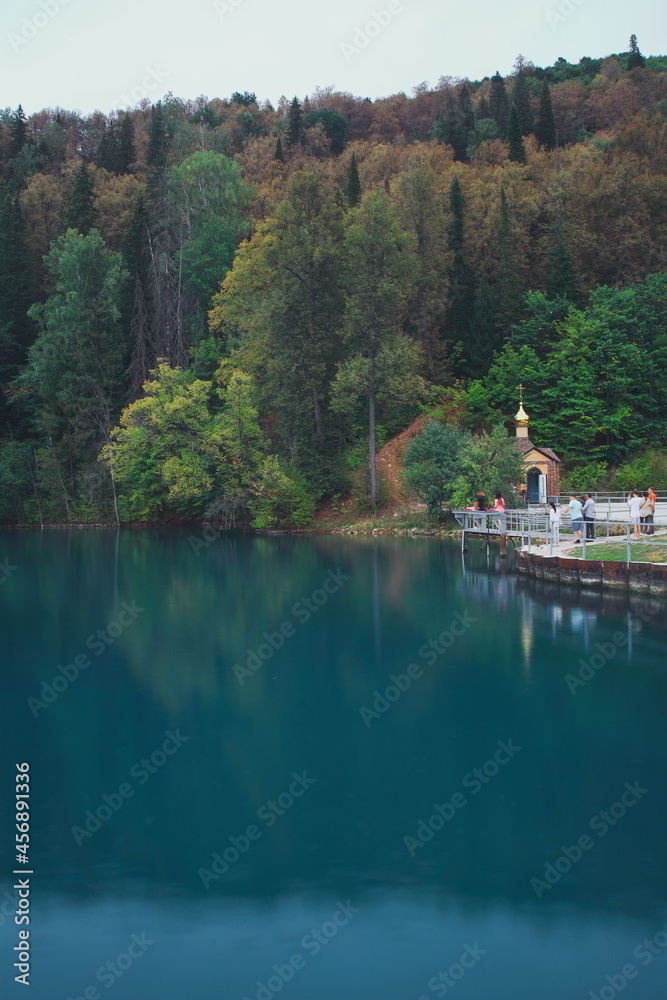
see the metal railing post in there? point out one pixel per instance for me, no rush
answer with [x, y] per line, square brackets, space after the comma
[628, 551]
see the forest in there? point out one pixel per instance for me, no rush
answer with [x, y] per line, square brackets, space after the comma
[216, 309]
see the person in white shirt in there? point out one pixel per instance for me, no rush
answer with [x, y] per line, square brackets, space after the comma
[574, 510]
[554, 522]
[634, 503]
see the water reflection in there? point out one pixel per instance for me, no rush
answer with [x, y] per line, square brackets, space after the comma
[173, 670]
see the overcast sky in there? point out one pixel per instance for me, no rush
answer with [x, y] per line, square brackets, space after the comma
[88, 54]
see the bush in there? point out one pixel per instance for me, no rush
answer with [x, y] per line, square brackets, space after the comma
[280, 500]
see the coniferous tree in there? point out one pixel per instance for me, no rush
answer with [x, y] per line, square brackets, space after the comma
[499, 104]
[17, 293]
[517, 150]
[107, 152]
[545, 130]
[635, 59]
[522, 103]
[126, 149]
[18, 131]
[294, 124]
[506, 279]
[461, 276]
[483, 110]
[466, 112]
[483, 339]
[353, 183]
[279, 153]
[562, 281]
[80, 212]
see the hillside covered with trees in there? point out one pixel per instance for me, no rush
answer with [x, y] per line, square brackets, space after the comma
[214, 308]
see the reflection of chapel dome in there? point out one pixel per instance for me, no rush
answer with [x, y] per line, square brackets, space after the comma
[522, 417]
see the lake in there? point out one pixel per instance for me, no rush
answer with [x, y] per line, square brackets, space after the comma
[328, 767]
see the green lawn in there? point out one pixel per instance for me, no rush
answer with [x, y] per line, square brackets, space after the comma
[616, 552]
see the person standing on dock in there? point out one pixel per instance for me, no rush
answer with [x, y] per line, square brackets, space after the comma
[589, 516]
[574, 509]
[554, 523]
[653, 499]
[499, 507]
[634, 503]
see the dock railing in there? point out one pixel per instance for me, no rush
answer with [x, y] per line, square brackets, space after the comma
[533, 525]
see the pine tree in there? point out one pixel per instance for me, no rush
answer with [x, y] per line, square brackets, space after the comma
[461, 276]
[522, 104]
[517, 150]
[499, 105]
[126, 150]
[545, 130]
[483, 110]
[279, 153]
[294, 124]
[466, 110]
[18, 131]
[107, 151]
[17, 293]
[562, 281]
[80, 212]
[635, 59]
[353, 183]
[483, 339]
[506, 279]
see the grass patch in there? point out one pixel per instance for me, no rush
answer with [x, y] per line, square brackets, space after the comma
[614, 552]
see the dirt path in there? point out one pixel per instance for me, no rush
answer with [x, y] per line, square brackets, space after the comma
[390, 460]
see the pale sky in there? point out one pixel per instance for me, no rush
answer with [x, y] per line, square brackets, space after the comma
[101, 54]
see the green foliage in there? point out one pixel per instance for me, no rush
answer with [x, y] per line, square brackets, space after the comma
[80, 211]
[280, 500]
[517, 150]
[353, 183]
[433, 463]
[545, 130]
[587, 477]
[336, 128]
[647, 469]
[363, 502]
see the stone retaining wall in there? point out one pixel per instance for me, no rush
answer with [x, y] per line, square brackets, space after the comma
[638, 577]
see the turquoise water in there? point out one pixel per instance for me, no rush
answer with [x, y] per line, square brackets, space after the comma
[232, 798]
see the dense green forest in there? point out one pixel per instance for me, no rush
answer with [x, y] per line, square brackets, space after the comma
[215, 308]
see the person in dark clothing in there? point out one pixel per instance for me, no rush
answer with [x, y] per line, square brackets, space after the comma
[588, 509]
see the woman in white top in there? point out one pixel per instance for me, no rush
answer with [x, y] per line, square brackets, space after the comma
[634, 503]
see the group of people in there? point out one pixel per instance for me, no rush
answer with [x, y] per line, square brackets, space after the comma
[481, 504]
[582, 515]
[642, 511]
